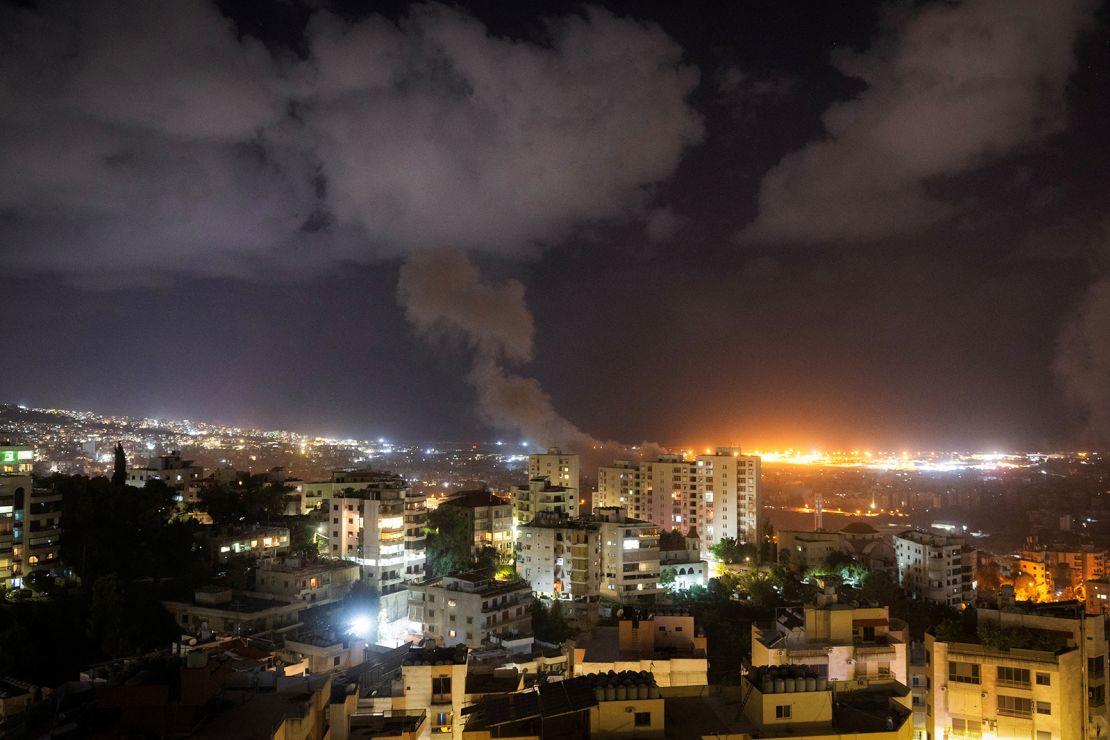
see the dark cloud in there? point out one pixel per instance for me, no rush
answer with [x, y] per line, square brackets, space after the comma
[950, 86]
[128, 153]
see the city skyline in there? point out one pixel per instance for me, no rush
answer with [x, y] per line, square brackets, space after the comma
[246, 231]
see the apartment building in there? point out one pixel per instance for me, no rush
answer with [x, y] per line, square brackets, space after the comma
[17, 460]
[30, 528]
[318, 582]
[257, 540]
[314, 494]
[802, 549]
[1061, 571]
[561, 557]
[541, 495]
[377, 521]
[219, 611]
[934, 567]
[470, 608]
[845, 644]
[717, 494]
[559, 467]
[171, 469]
[491, 520]
[629, 555]
[1030, 670]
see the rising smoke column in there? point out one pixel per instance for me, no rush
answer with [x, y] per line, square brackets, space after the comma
[443, 294]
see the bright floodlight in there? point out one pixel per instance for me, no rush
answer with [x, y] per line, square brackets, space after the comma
[361, 626]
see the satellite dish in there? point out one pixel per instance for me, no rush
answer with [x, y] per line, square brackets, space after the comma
[620, 613]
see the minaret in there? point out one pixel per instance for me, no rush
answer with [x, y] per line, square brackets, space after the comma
[818, 510]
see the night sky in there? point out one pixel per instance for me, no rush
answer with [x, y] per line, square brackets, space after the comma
[761, 223]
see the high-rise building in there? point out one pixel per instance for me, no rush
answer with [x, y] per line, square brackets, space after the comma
[717, 495]
[934, 567]
[378, 521]
[1027, 670]
[541, 495]
[561, 468]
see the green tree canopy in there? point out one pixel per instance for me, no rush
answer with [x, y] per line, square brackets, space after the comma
[449, 545]
[672, 540]
[728, 550]
[550, 625]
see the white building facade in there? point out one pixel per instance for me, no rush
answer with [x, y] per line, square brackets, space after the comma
[717, 494]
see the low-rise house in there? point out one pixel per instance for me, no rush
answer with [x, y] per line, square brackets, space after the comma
[218, 610]
[315, 582]
[264, 542]
[839, 642]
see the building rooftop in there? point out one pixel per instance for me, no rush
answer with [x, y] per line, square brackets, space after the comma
[548, 701]
[437, 656]
[928, 538]
[475, 582]
[492, 682]
[240, 602]
[547, 487]
[254, 713]
[859, 528]
[603, 646]
[296, 565]
[475, 499]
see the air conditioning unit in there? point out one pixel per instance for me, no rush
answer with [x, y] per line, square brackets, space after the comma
[630, 709]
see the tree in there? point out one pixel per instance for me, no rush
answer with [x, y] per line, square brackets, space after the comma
[728, 550]
[768, 548]
[119, 473]
[106, 616]
[666, 577]
[672, 540]
[760, 588]
[449, 544]
[488, 558]
[550, 625]
[878, 587]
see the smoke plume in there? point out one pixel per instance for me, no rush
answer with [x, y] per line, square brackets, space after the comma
[443, 295]
[1082, 365]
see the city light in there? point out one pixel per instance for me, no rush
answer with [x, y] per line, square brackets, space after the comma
[362, 626]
